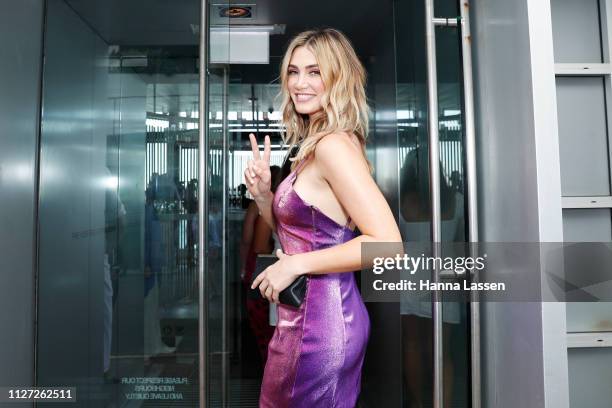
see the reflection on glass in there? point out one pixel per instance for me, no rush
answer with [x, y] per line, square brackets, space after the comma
[415, 203]
[239, 324]
[118, 305]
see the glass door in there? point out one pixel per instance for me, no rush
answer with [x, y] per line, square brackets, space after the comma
[235, 108]
[400, 360]
[118, 302]
[242, 93]
[417, 322]
[132, 237]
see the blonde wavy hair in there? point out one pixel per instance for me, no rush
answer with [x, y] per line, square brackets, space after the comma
[344, 105]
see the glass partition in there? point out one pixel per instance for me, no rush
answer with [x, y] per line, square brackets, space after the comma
[414, 197]
[118, 300]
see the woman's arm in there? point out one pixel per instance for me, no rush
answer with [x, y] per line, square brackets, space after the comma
[344, 168]
[265, 209]
[259, 179]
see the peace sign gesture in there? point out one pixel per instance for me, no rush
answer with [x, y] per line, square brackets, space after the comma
[257, 174]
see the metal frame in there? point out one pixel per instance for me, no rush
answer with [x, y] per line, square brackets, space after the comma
[224, 258]
[603, 70]
[431, 23]
[36, 232]
[472, 195]
[202, 207]
[589, 340]
[572, 69]
[586, 202]
[605, 21]
[434, 189]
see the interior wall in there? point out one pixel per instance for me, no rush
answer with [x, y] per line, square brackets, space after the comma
[21, 25]
[524, 360]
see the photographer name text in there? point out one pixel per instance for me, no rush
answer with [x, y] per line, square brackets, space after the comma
[407, 285]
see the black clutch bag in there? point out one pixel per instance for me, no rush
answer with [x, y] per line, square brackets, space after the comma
[293, 295]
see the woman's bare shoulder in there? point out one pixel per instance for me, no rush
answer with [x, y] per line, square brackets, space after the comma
[339, 148]
[337, 143]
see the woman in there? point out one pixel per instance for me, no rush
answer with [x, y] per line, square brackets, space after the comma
[317, 350]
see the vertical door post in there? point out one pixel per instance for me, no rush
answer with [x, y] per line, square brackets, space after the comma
[434, 189]
[434, 177]
[202, 207]
[472, 198]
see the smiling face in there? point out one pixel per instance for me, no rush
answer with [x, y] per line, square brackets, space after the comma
[304, 81]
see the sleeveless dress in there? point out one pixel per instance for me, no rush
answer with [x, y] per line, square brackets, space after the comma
[317, 350]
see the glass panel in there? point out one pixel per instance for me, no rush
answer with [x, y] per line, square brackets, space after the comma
[239, 327]
[414, 204]
[218, 290]
[221, 275]
[118, 301]
[576, 31]
[453, 195]
[415, 220]
[581, 108]
[382, 371]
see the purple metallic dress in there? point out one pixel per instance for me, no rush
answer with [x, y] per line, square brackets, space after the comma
[317, 350]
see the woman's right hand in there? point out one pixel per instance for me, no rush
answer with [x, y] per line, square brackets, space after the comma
[257, 174]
